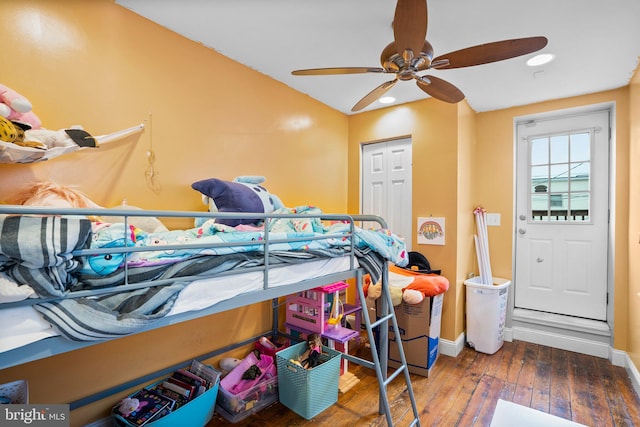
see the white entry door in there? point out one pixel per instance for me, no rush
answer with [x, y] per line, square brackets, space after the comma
[562, 210]
[386, 184]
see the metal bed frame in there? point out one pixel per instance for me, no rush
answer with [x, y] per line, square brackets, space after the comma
[379, 347]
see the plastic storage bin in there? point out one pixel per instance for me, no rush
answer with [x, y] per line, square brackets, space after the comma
[308, 392]
[196, 413]
[237, 407]
[238, 398]
[486, 313]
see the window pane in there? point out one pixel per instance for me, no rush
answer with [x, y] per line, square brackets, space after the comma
[580, 147]
[539, 207]
[540, 151]
[559, 175]
[559, 148]
[580, 206]
[556, 201]
[580, 176]
[539, 179]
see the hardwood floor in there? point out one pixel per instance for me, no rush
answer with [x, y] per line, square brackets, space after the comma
[463, 391]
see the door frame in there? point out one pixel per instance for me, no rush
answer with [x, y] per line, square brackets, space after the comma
[591, 337]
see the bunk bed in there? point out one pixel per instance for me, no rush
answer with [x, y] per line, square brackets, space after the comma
[58, 251]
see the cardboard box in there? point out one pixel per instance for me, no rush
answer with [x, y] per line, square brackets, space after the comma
[419, 327]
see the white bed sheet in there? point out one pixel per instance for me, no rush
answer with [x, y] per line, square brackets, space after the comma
[24, 325]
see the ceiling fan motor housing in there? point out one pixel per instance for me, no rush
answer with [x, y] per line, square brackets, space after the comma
[393, 62]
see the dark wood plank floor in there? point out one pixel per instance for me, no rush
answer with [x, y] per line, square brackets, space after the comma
[464, 391]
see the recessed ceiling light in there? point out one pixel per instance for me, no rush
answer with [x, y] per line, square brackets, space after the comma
[543, 58]
[387, 100]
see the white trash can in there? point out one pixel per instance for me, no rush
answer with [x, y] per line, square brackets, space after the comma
[486, 313]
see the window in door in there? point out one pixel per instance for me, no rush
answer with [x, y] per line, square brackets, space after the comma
[560, 172]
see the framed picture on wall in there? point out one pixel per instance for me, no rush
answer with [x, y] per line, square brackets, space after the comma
[430, 231]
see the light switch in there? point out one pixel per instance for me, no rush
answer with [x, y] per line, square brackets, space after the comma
[493, 219]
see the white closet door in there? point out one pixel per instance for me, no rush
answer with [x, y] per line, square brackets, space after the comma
[386, 184]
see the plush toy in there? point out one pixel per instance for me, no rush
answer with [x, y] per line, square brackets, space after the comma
[128, 405]
[45, 138]
[243, 194]
[407, 285]
[228, 364]
[374, 290]
[17, 108]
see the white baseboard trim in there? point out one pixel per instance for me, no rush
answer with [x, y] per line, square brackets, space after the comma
[619, 358]
[634, 375]
[508, 334]
[452, 348]
[103, 422]
[564, 342]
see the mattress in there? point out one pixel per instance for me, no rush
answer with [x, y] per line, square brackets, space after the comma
[24, 325]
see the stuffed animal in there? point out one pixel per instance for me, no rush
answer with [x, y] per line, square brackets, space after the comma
[128, 405]
[45, 138]
[228, 364]
[373, 291]
[407, 285]
[243, 194]
[17, 109]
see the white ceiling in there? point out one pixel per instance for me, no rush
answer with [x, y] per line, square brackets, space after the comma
[596, 43]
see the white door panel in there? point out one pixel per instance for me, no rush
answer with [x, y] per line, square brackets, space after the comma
[386, 184]
[562, 215]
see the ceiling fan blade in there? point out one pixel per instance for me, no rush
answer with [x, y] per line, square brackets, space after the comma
[490, 52]
[410, 25]
[373, 95]
[340, 70]
[440, 89]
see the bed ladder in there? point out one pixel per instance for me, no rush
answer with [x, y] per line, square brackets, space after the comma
[387, 318]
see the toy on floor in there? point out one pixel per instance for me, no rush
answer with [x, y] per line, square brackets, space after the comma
[128, 405]
[311, 357]
[228, 364]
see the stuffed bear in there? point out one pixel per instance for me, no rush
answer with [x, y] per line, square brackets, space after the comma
[17, 108]
[243, 194]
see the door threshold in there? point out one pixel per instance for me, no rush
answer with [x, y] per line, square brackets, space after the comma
[578, 324]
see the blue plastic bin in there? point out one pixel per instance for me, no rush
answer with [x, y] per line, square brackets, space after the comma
[308, 392]
[196, 413]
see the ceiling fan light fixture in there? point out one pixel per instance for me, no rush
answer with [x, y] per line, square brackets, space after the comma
[387, 100]
[541, 59]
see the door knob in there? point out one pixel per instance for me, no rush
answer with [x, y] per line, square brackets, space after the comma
[522, 231]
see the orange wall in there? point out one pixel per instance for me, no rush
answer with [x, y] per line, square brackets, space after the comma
[101, 66]
[432, 126]
[494, 187]
[633, 295]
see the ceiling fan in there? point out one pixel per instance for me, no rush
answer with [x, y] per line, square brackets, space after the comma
[410, 53]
